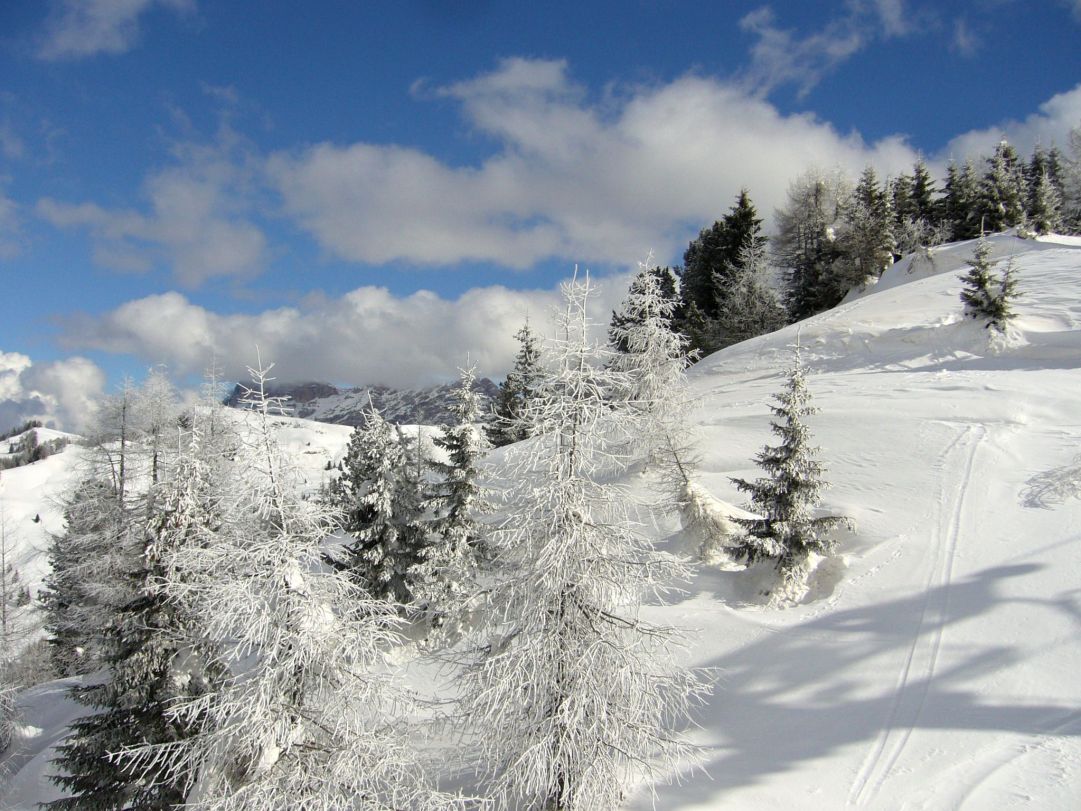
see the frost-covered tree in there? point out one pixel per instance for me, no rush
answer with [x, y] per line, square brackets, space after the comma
[141, 639]
[1002, 190]
[15, 626]
[752, 308]
[1070, 171]
[1045, 205]
[786, 530]
[447, 573]
[651, 354]
[806, 246]
[507, 424]
[622, 319]
[573, 693]
[85, 583]
[867, 238]
[155, 415]
[379, 495]
[306, 717]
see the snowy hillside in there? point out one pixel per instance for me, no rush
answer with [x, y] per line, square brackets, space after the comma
[935, 668]
[934, 663]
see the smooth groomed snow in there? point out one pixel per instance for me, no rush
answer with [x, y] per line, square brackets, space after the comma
[936, 661]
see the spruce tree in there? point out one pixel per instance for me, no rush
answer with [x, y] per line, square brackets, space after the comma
[1045, 205]
[806, 245]
[1002, 190]
[379, 496]
[960, 202]
[667, 284]
[924, 205]
[448, 571]
[710, 265]
[753, 308]
[786, 531]
[649, 371]
[977, 292]
[868, 237]
[507, 425]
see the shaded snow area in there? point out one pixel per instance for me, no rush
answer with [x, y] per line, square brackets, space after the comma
[934, 661]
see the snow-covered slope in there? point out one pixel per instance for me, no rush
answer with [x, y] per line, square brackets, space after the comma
[934, 665]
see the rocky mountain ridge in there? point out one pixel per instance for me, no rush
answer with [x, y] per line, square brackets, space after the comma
[324, 402]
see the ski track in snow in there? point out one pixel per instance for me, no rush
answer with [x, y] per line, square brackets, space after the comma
[922, 658]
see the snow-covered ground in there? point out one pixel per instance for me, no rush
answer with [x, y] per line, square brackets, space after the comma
[934, 664]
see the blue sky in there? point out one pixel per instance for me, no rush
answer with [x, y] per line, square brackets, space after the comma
[372, 192]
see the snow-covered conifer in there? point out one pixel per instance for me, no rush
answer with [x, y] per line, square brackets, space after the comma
[573, 692]
[448, 570]
[507, 424]
[983, 296]
[752, 308]
[305, 718]
[382, 506]
[786, 530]
[1002, 190]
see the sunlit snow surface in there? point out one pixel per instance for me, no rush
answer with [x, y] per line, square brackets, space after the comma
[935, 663]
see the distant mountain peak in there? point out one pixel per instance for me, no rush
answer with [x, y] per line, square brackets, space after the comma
[324, 402]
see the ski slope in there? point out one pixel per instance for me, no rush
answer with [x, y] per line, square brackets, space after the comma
[934, 663]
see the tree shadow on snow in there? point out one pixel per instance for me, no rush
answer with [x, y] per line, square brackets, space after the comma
[789, 697]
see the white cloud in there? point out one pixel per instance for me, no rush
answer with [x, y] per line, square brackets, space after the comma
[780, 56]
[59, 393]
[82, 28]
[367, 336]
[570, 179]
[197, 220]
[1049, 125]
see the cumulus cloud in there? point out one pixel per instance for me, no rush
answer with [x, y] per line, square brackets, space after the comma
[82, 28]
[60, 393]
[197, 219]
[569, 179]
[1049, 125]
[367, 336]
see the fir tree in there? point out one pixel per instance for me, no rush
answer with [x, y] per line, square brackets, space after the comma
[649, 374]
[141, 647]
[868, 238]
[753, 308]
[710, 265]
[1002, 190]
[379, 496]
[1045, 205]
[667, 283]
[977, 290]
[85, 581]
[806, 245]
[960, 202]
[983, 296]
[515, 392]
[786, 531]
[924, 206]
[448, 572]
